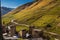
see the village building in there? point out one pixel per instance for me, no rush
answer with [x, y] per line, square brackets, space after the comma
[11, 30]
[36, 33]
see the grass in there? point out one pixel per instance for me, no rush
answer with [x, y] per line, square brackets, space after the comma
[20, 39]
[19, 28]
[44, 20]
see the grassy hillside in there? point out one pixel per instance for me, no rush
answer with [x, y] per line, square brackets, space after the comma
[39, 14]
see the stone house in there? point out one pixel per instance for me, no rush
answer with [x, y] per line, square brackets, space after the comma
[12, 30]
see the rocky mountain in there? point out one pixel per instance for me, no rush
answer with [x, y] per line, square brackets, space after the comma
[5, 10]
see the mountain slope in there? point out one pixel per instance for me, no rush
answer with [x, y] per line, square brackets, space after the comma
[39, 14]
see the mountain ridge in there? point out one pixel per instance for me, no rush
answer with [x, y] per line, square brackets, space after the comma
[22, 7]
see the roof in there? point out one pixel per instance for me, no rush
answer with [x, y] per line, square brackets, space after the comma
[36, 29]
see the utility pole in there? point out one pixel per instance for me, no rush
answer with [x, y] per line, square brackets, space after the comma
[1, 34]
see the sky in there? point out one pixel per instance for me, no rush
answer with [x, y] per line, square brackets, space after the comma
[13, 3]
